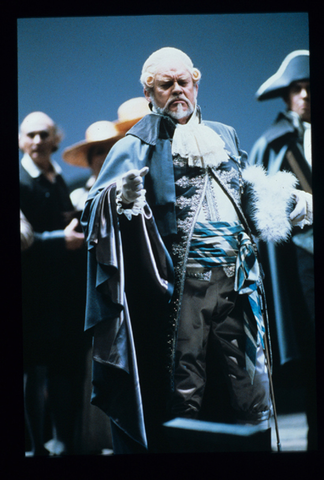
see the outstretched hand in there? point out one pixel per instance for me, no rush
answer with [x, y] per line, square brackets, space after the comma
[132, 184]
[303, 212]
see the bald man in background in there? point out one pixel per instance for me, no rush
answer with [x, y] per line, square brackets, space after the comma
[52, 289]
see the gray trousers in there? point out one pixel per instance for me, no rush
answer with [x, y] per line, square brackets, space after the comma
[210, 379]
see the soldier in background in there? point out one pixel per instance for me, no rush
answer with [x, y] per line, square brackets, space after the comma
[289, 267]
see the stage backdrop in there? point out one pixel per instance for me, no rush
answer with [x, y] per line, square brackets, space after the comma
[80, 69]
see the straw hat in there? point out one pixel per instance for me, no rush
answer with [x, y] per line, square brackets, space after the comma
[130, 112]
[99, 133]
[294, 68]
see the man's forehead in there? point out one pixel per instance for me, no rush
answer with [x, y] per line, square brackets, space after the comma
[301, 83]
[36, 126]
[170, 70]
[37, 122]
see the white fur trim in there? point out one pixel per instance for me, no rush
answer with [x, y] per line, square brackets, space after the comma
[271, 197]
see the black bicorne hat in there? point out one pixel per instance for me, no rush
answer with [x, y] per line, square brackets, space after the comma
[294, 68]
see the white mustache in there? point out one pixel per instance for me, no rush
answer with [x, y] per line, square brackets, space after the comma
[173, 99]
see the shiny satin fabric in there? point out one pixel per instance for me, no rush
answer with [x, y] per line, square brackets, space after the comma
[211, 381]
[118, 349]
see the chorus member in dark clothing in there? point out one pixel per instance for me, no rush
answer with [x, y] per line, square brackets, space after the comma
[53, 288]
[174, 296]
[289, 268]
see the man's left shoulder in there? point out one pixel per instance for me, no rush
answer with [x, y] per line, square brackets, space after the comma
[226, 132]
[219, 127]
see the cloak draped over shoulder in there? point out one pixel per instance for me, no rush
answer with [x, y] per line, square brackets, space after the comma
[116, 383]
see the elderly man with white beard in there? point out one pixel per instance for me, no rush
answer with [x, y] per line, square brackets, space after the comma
[175, 297]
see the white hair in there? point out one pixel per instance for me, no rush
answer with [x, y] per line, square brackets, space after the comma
[160, 56]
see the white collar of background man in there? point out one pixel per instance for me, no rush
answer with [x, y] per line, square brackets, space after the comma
[33, 170]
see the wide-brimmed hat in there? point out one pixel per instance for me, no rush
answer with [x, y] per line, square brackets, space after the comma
[294, 68]
[99, 133]
[130, 112]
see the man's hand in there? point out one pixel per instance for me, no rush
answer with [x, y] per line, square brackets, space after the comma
[73, 239]
[303, 212]
[132, 184]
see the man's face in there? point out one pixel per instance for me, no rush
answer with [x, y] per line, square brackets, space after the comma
[97, 156]
[37, 138]
[174, 92]
[298, 99]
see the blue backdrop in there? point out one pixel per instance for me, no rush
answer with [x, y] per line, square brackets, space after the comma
[80, 69]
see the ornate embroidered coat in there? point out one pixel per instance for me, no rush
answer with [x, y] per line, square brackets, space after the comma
[175, 194]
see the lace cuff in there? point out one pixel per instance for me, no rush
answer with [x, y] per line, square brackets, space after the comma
[136, 208]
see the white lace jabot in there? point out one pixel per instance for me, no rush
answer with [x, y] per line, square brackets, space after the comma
[200, 144]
